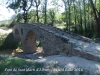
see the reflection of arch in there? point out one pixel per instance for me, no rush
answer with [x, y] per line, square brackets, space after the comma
[17, 35]
[30, 42]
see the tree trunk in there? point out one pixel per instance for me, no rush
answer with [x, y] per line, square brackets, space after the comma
[95, 16]
[75, 17]
[85, 18]
[37, 2]
[37, 14]
[69, 15]
[81, 19]
[45, 20]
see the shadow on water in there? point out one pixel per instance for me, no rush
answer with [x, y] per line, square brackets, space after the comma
[9, 44]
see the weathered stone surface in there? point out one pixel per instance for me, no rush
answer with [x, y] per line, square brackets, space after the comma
[54, 41]
[86, 55]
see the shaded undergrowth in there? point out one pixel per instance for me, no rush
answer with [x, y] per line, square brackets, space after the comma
[8, 42]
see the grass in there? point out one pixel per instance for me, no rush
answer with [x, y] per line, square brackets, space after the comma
[17, 66]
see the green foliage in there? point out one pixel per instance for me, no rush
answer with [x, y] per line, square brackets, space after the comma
[3, 25]
[78, 16]
[2, 39]
[15, 4]
[8, 42]
[38, 44]
[21, 66]
[32, 16]
[19, 45]
[12, 24]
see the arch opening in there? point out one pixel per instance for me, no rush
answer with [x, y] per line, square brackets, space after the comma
[31, 44]
[17, 38]
[39, 46]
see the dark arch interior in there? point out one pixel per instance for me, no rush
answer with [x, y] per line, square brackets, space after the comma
[32, 42]
[30, 38]
[17, 35]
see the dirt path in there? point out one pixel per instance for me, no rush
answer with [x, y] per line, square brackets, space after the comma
[5, 30]
[72, 63]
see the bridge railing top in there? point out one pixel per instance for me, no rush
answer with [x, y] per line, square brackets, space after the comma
[63, 34]
[58, 32]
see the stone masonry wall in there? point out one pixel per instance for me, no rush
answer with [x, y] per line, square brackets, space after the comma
[55, 41]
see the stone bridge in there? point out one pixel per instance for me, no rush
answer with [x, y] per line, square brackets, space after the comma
[55, 41]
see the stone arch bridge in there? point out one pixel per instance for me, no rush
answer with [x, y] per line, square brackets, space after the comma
[54, 41]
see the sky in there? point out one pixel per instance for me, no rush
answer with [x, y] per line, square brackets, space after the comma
[6, 14]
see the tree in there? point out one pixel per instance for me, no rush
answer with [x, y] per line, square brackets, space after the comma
[37, 3]
[84, 3]
[25, 9]
[52, 15]
[66, 14]
[45, 11]
[18, 5]
[96, 16]
[80, 12]
[75, 16]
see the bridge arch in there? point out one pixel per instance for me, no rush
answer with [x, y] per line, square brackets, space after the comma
[30, 42]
